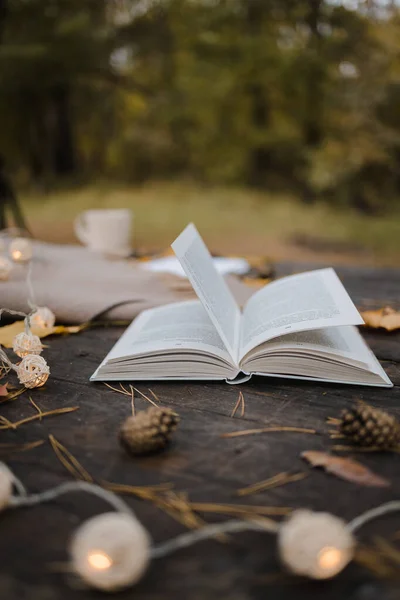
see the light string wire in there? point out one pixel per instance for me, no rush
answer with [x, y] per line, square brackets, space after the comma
[374, 513]
[31, 292]
[66, 488]
[193, 537]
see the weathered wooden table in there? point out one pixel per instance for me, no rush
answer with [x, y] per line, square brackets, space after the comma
[33, 542]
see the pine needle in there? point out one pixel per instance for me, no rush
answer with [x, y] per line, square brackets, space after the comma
[236, 406]
[6, 424]
[339, 448]
[154, 395]
[133, 401]
[11, 448]
[124, 389]
[240, 402]
[233, 434]
[388, 550]
[145, 397]
[13, 395]
[240, 509]
[69, 461]
[58, 411]
[243, 406]
[36, 406]
[376, 562]
[333, 421]
[272, 482]
[116, 389]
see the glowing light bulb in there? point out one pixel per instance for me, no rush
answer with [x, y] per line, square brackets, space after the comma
[43, 318]
[330, 559]
[21, 250]
[99, 560]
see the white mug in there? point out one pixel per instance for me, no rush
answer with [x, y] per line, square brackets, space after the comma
[106, 231]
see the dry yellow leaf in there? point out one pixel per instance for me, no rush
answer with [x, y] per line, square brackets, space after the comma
[8, 332]
[386, 317]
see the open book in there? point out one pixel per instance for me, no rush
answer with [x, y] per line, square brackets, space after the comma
[301, 326]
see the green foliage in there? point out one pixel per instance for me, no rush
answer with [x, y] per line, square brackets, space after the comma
[297, 95]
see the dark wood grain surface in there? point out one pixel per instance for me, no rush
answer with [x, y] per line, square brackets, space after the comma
[34, 541]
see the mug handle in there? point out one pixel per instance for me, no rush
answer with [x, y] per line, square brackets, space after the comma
[81, 229]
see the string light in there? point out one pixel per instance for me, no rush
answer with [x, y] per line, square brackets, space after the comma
[33, 371]
[43, 318]
[317, 545]
[20, 250]
[110, 551]
[113, 550]
[27, 343]
[5, 268]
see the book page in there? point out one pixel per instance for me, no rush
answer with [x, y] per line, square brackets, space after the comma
[312, 300]
[178, 327]
[175, 327]
[210, 287]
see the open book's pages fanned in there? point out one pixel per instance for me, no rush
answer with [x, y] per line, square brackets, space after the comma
[301, 326]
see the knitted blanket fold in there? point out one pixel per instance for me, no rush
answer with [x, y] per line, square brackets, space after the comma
[78, 284]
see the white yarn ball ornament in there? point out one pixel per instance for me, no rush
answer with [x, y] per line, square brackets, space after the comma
[27, 343]
[43, 317]
[5, 268]
[33, 371]
[6, 486]
[315, 544]
[21, 250]
[110, 551]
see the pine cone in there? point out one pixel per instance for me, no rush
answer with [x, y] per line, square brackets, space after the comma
[150, 430]
[368, 426]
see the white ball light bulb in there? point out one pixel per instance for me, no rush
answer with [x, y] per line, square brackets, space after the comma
[33, 371]
[6, 486]
[21, 250]
[110, 551]
[43, 317]
[316, 545]
[5, 268]
[27, 343]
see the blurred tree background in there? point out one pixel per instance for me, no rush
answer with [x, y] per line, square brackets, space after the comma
[298, 96]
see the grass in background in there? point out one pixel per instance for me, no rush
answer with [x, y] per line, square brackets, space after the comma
[232, 221]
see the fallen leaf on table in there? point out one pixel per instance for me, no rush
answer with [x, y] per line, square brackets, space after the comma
[386, 317]
[3, 390]
[8, 332]
[345, 468]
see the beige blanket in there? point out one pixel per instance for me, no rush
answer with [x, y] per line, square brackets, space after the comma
[77, 285]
